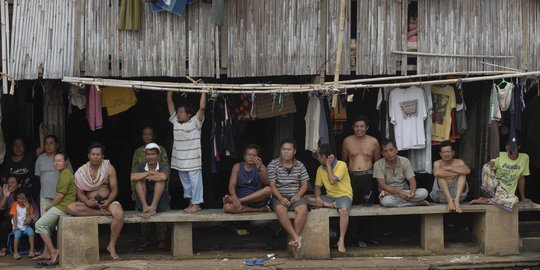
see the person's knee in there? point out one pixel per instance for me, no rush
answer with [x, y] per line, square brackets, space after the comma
[421, 193]
[72, 208]
[386, 201]
[301, 210]
[116, 211]
[228, 208]
[343, 211]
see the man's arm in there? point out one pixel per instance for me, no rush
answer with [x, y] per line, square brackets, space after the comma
[388, 189]
[439, 172]
[170, 103]
[344, 151]
[157, 176]
[302, 190]
[113, 185]
[138, 176]
[412, 186]
[377, 152]
[521, 187]
[460, 168]
[202, 107]
[41, 147]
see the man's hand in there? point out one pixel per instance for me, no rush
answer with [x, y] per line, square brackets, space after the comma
[285, 202]
[405, 195]
[295, 198]
[28, 220]
[330, 161]
[382, 194]
[91, 203]
[105, 204]
[47, 208]
[491, 165]
[15, 228]
[236, 203]
[258, 163]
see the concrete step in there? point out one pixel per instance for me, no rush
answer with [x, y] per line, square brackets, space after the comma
[527, 244]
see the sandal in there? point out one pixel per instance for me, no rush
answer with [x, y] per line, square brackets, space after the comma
[16, 256]
[3, 252]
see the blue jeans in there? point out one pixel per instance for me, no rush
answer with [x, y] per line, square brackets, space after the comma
[28, 231]
[193, 185]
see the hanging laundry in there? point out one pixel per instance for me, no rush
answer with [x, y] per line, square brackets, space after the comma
[238, 105]
[117, 99]
[93, 110]
[421, 158]
[174, 6]
[2, 146]
[324, 131]
[270, 105]
[444, 100]
[325, 111]
[461, 110]
[505, 95]
[514, 113]
[407, 112]
[218, 13]
[312, 119]
[77, 97]
[382, 107]
[130, 15]
[494, 107]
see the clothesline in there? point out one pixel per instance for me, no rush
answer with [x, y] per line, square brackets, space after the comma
[279, 88]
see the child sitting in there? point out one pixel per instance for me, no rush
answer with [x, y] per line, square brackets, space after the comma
[21, 214]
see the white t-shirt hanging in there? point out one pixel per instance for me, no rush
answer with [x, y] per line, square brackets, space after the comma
[407, 113]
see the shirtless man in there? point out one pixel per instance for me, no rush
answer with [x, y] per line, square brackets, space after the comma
[360, 151]
[450, 185]
[97, 191]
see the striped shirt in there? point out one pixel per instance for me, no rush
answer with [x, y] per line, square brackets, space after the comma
[287, 183]
[186, 152]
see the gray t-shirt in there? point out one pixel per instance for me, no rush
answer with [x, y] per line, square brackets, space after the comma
[396, 178]
[287, 183]
[48, 176]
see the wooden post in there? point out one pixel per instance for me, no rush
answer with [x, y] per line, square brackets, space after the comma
[339, 49]
[4, 13]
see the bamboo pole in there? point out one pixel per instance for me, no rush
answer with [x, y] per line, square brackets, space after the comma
[4, 37]
[455, 55]
[493, 65]
[419, 76]
[337, 69]
[200, 88]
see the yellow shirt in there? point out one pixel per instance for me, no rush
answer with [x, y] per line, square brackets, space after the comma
[444, 100]
[509, 171]
[117, 99]
[339, 189]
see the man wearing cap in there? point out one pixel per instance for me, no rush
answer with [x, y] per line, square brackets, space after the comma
[97, 188]
[503, 175]
[151, 183]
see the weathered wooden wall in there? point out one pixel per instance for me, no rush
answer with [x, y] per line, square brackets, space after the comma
[533, 35]
[272, 37]
[267, 38]
[378, 33]
[157, 49]
[42, 36]
[474, 27]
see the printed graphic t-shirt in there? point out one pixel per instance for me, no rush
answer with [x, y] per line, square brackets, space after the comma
[509, 171]
[407, 112]
[444, 100]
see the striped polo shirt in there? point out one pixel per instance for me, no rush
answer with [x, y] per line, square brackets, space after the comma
[186, 152]
[287, 183]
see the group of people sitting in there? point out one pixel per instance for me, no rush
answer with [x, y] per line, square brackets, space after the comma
[281, 186]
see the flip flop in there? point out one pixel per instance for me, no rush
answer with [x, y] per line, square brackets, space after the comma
[40, 264]
[50, 265]
[249, 262]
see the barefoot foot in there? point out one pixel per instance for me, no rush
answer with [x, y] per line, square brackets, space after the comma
[194, 208]
[112, 252]
[422, 203]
